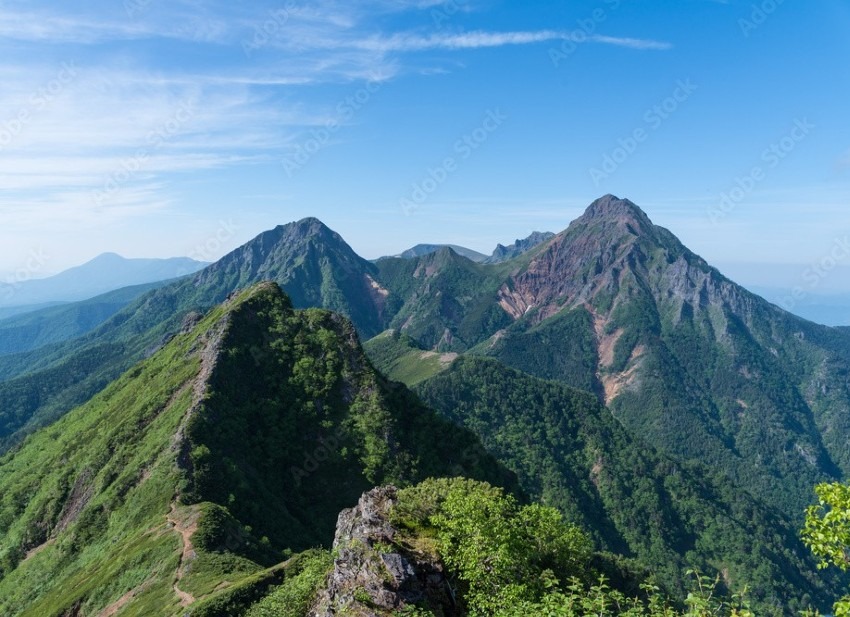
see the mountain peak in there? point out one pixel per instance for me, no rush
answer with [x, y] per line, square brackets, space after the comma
[308, 226]
[312, 263]
[310, 221]
[421, 250]
[107, 257]
[612, 208]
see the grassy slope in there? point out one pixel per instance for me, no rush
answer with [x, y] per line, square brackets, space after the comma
[312, 263]
[398, 357]
[113, 450]
[294, 422]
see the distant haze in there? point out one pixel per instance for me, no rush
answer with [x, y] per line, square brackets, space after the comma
[104, 273]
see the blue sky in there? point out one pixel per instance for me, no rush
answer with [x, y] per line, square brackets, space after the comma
[186, 127]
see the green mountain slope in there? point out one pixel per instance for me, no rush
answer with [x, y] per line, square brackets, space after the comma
[398, 357]
[570, 452]
[443, 300]
[686, 359]
[562, 347]
[183, 483]
[55, 324]
[312, 263]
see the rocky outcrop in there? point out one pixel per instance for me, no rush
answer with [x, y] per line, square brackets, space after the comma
[504, 253]
[588, 259]
[374, 575]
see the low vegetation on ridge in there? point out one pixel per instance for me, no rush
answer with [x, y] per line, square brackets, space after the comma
[191, 479]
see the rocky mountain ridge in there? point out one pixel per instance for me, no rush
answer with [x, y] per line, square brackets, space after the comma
[189, 480]
[500, 253]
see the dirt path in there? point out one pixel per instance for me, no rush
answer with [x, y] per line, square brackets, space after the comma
[112, 609]
[185, 527]
[32, 553]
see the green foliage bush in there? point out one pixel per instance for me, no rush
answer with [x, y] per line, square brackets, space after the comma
[294, 596]
[498, 549]
[827, 532]
[510, 560]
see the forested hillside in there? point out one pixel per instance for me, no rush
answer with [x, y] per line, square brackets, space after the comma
[677, 418]
[571, 453]
[194, 476]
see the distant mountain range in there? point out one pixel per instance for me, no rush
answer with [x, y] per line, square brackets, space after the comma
[426, 249]
[104, 273]
[613, 305]
[500, 253]
[637, 372]
[33, 327]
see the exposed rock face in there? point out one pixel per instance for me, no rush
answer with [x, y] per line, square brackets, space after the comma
[588, 258]
[372, 575]
[615, 251]
[504, 253]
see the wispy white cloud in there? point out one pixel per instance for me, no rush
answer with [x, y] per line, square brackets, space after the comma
[66, 133]
[55, 28]
[471, 40]
[56, 209]
[407, 42]
[631, 43]
[107, 143]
